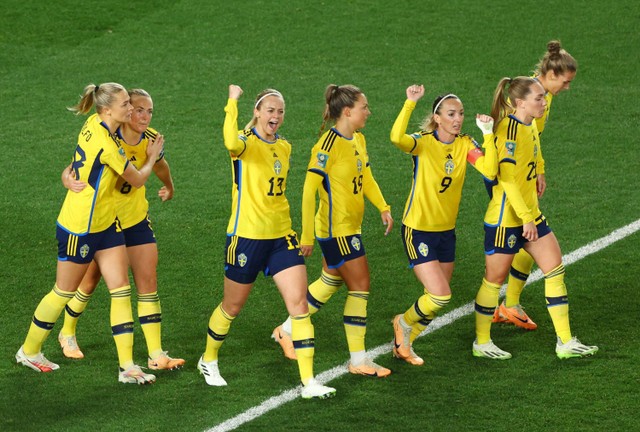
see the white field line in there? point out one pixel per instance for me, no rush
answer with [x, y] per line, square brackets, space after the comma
[438, 323]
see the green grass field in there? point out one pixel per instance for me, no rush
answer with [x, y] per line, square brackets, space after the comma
[186, 54]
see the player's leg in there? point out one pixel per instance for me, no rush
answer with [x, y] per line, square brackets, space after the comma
[510, 311]
[73, 310]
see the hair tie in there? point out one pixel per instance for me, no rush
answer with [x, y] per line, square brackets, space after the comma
[450, 95]
[95, 90]
[268, 94]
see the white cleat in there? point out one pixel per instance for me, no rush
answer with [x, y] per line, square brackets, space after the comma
[574, 348]
[38, 362]
[490, 350]
[315, 390]
[211, 373]
[134, 375]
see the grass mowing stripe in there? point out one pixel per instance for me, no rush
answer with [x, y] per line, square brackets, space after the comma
[436, 324]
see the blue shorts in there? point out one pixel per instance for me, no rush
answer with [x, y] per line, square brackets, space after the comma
[81, 249]
[337, 250]
[245, 258]
[509, 241]
[139, 234]
[425, 246]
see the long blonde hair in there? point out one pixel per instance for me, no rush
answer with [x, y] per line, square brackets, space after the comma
[429, 123]
[102, 96]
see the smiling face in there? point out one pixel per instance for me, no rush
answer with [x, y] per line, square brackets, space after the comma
[269, 116]
[142, 113]
[449, 119]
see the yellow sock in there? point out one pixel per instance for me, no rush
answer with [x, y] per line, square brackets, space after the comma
[73, 310]
[486, 303]
[44, 318]
[304, 344]
[355, 319]
[150, 317]
[219, 325]
[122, 324]
[321, 290]
[555, 292]
[423, 312]
[520, 271]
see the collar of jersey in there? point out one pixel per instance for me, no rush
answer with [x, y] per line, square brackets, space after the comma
[518, 120]
[255, 132]
[340, 135]
[435, 134]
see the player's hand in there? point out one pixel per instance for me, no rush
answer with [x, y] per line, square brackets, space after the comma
[485, 123]
[165, 193]
[415, 92]
[235, 92]
[69, 181]
[155, 147]
[530, 232]
[387, 221]
[541, 185]
[306, 250]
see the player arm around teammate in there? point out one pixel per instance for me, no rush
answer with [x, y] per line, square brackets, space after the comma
[86, 231]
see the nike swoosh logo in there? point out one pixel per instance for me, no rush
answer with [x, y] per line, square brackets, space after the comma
[520, 319]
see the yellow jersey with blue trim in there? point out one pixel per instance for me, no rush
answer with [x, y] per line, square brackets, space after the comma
[439, 170]
[343, 164]
[259, 207]
[131, 202]
[515, 198]
[99, 161]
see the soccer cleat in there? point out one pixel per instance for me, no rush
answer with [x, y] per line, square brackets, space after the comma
[514, 315]
[413, 358]
[285, 341]
[497, 318]
[574, 348]
[70, 347]
[369, 368]
[134, 375]
[490, 350]
[164, 362]
[315, 390]
[38, 363]
[401, 335]
[211, 373]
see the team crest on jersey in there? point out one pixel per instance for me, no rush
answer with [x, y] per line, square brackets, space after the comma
[359, 165]
[423, 249]
[355, 242]
[449, 165]
[84, 250]
[535, 151]
[511, 241]
[242, 260]
[511, 147]
[277, 167]
[322, 159]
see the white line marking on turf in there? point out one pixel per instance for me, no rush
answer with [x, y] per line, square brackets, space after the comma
[438, 323]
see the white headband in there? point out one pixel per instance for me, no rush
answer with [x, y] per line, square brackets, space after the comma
[268, 94]
[450, 95]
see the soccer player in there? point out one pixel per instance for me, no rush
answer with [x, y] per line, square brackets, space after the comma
[514, 221]
[339, 172]
[86, 229]
[440, 154]
[259, 235]
[142, 251]
[555, 71]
